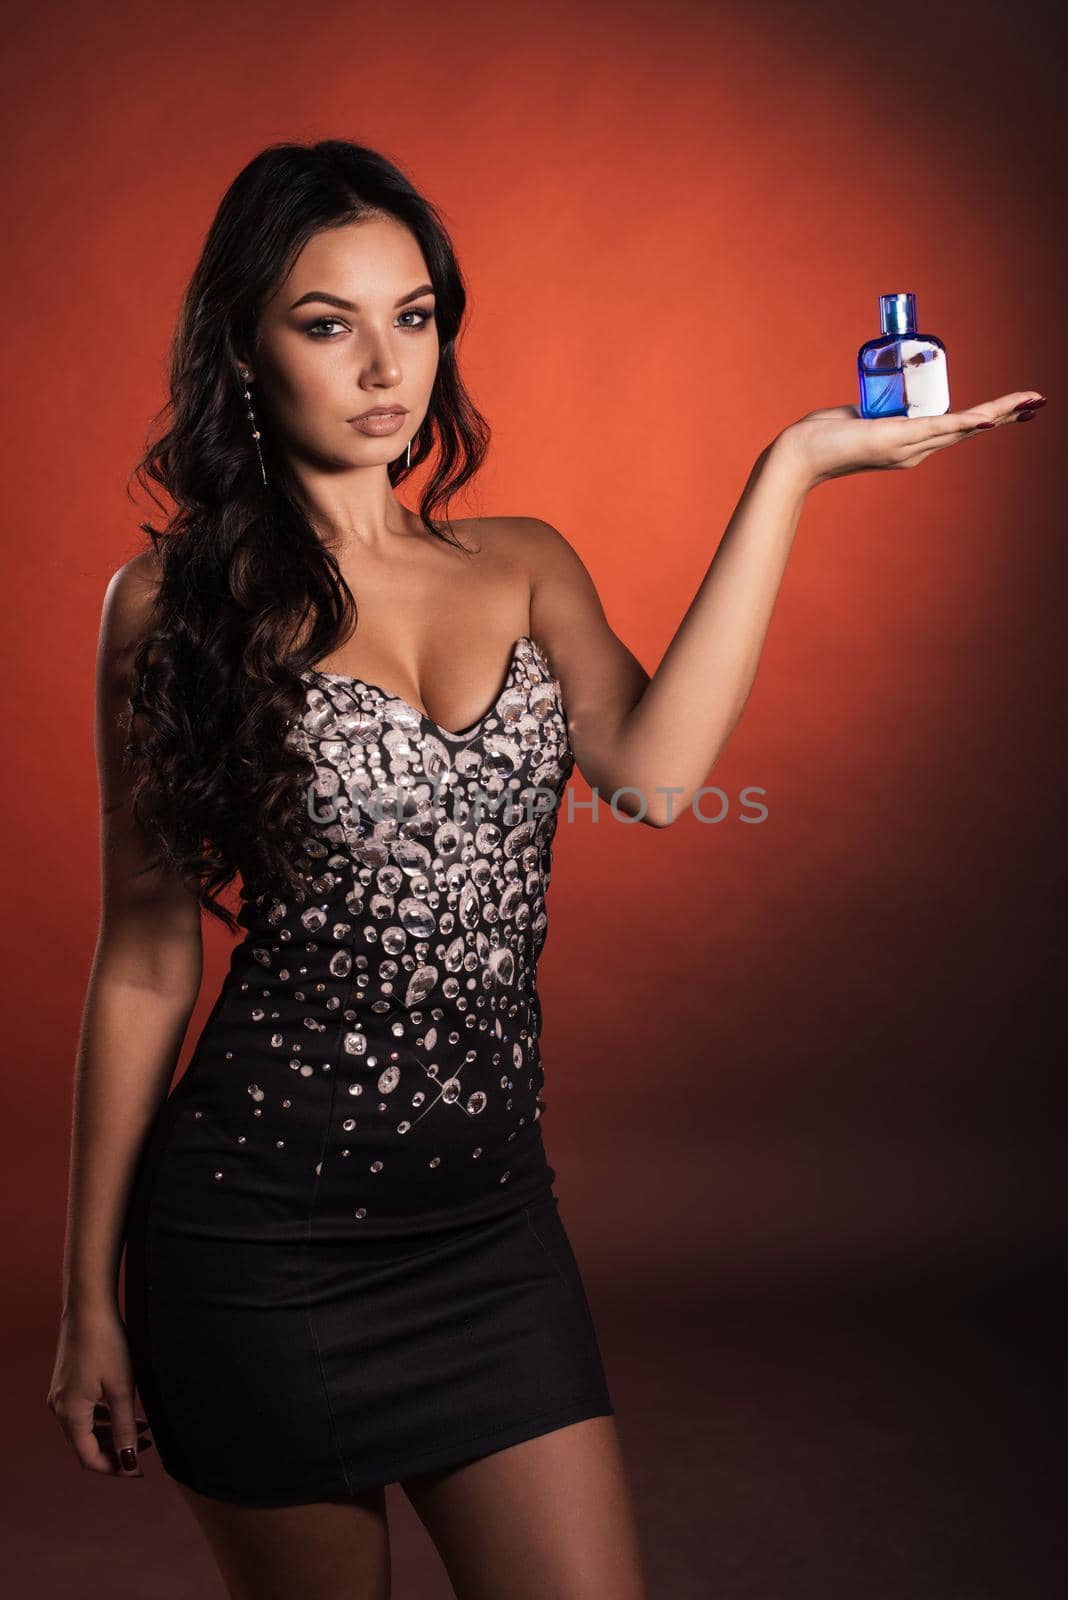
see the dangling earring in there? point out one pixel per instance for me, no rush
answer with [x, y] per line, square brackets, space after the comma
[252, 418]
[408, 453]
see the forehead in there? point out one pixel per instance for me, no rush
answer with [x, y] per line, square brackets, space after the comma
[376, 258]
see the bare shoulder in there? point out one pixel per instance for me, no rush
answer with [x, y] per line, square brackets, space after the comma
[533, 537]
[126, 614]
[150, 917]
[498, 538]
[132, 588]
[125, 618]
[544, 554]
[563, 594]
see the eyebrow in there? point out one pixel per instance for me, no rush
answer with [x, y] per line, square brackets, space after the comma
[349, 305]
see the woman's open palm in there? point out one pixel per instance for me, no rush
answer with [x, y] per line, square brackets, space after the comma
[837, 441]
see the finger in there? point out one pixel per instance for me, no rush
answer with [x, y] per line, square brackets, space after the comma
[124, 1431]
[102, 1429]
[144, 1443]
[105, 1436]
[1004, 406]
[932, 432]
[958, 424]
[1023, 412]
[76, 1420]
[102, 1413]
[1025, 397]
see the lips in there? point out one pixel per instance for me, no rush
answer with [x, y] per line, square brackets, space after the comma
[380, 424]
[380, 411]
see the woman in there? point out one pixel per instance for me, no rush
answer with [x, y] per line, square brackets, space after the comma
[344, 1261]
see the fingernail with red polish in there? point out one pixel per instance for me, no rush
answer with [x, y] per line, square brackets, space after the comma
[128, 1457]
[979, 425]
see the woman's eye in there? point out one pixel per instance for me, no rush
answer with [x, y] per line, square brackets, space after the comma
[332, 322]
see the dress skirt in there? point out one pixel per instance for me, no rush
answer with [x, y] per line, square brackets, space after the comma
[280, 1374]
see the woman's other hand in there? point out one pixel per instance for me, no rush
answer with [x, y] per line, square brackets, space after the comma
[92, 1393]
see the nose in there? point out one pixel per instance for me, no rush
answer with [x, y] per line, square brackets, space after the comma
[382, 366]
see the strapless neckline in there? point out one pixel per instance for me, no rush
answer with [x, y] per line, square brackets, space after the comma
[313, 673]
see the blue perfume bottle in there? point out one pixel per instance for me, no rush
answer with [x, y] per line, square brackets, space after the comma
[903, 373]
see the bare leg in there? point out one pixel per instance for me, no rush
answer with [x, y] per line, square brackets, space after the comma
[547, 1519]
[330, 1550]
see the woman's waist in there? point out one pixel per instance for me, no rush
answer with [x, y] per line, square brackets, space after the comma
[229, 1176]
[319, 1022]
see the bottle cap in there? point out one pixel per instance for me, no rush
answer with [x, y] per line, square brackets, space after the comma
[897, 313]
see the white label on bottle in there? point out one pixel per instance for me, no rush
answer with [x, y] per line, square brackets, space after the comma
[926, 378]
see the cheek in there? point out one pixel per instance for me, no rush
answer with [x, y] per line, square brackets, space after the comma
[425, 361]
[316, 378]
[309, 390]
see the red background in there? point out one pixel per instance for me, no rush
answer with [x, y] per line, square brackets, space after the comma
[811, 1055]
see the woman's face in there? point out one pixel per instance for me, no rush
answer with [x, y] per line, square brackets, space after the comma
[350, 329]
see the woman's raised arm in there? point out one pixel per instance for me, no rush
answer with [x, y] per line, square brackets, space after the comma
[654, 740]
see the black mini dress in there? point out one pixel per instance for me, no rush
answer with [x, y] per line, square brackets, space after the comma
[345, 1262]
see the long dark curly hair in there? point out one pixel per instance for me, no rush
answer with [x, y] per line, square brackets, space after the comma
[248, 594]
